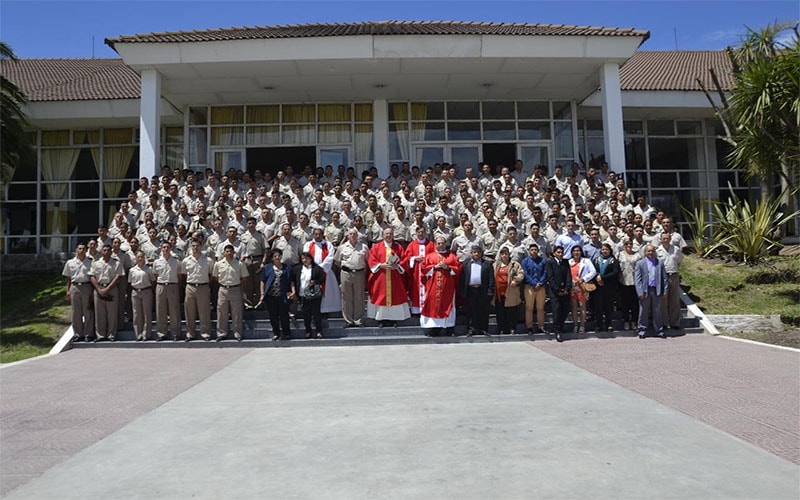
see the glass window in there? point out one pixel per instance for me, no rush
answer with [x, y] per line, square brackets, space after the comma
[299, 113]
[463, 111]
[498, 110]
[398, 141]
[118, 136]
[464, 131]
[633, 127]
[689, 128]
[264, 134]
[431, 131]
[173, 135]
[263, 114]
[299, 134]
[499, 131]
[227, 136]
[635, 154]
[676, 154]
[22, 192]
[227, 115]
[660, 127]
[334, 112]
[663, 179]
[427, 111]
[594, 128]
[334, 134]
[533, 110]
[563, 139]
[363, 112]
[198, 141]
[562, 110]
[363, 143]
[198, 116]
[398, 111]
[534, 130]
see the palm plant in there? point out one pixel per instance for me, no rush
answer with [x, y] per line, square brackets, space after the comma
[13, 136]
[700, 229]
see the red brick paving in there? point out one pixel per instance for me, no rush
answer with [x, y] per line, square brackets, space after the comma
[52, 408]
[749, 391]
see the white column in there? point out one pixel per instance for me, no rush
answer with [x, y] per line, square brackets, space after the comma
[611, 101]
[380, 132]
[150, 124]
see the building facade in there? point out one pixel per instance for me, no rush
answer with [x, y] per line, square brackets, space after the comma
[360, 95]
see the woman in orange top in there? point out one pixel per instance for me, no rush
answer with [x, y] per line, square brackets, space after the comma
[508, 277]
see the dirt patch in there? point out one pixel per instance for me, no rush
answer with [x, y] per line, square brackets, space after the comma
[786, 338]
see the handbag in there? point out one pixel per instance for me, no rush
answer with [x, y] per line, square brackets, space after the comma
[589, 287]
[313, 291]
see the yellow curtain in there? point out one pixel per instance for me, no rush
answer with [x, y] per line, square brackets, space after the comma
[227, 115]
[57, 165]
[419, 111]
[115, 162]
[363, 143]
[298, 113]
[270, 134]
[227, 136]
[363, 112]
[400, 111]
[401, 131]
[263, 114]
[334, 134]
[334, 112]
[299, 134]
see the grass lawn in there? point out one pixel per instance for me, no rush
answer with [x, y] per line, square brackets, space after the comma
[772, 288]
[34, 312]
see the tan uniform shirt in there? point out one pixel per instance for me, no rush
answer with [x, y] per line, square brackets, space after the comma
[141, 277]
[229, 273]
[166, 271]
[352, 257]
[197, 270]
[105, 272]
[254, 244]
[77, 270]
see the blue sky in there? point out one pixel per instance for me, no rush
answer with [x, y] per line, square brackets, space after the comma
[65, 28]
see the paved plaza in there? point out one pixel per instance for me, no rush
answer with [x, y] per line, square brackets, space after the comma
[688, 417]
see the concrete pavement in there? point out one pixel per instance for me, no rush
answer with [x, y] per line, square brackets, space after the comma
[434, 421]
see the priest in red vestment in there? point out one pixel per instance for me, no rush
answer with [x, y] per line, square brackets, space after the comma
[412, 260]
[441, 271]
[388, 300]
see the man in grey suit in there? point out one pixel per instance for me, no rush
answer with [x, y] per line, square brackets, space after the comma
[650, 279]
[477, 287]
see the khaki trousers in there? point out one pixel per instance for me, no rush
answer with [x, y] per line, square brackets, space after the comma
[229, 301]
[168, 304]
[198, 304]
[354, 295]
[534, 299]
[123, 304]
[142, 301]
[80, 299]
[252, 287]
[671, 301]
[105, 312]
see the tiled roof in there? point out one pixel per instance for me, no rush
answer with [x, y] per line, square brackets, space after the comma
[675, 70]
[374, 28]
[72, 79]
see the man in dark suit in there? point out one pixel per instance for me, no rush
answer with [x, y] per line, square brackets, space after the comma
[650, 279]
[477, 288]
[559, 284]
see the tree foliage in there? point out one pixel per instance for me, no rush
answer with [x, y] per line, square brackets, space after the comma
[14, 139]
[761, 111]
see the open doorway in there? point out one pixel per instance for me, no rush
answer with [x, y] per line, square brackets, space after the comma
[504, 154]
[274, 159]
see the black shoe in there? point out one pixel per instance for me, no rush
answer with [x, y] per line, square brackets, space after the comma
[382, 325]
[558, 337]
[641, 334]
[470, 332]
[450, 332]
[662, 334]
[394, 324]
[220, 338]
[160, 338]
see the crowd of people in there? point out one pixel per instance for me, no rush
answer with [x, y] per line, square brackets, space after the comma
[431, 242]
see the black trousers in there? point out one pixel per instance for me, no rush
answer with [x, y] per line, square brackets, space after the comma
[559, 305]
[603, 298]
[477, 309]
[629, 303]
[506, 317]
[278, 316]
[311, 310]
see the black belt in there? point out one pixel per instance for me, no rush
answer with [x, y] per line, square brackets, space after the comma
[140, 289]
[81, 282]
[474, 286]
[228, 286]
[196, 284]
[347, 269]
[103, 284]
[170, 283]
[255, 256]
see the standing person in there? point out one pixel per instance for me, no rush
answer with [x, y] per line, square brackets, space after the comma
[650, 279]
[414, 254]
[351, 257]
[142, 281]
[388, 300]
[477, 288]
[168, 295]
[441, 270]
[231, 274]
[535, 268]
[323, 253]
[255, 257]
[607, 281]
[308, 280]
[628, 301]
[79, 293]
[508, 276]
[672, 257]
[105, 273]
[196, 270]
[582, 272]
[559, 287]
[276, 286]
[123, 301]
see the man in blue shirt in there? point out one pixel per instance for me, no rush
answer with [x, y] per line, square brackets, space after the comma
[534, 267]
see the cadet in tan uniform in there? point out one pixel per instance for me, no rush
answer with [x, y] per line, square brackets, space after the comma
[142, 281]
[255, 251]
[105, 273]
[79, 293]
[231, 274]
[196, 270]
[351, 257]
[168, 296]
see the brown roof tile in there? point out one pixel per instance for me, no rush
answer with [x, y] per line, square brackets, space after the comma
[374, 28]
[72, 79]
[675, 70]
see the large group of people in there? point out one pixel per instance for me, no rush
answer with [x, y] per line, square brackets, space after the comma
[433, 242]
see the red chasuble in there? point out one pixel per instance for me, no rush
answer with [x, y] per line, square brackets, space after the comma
[386, 287]
[414, 275]
[440, 288]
